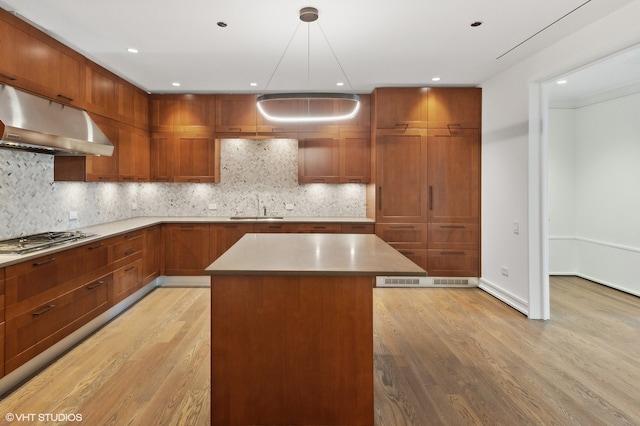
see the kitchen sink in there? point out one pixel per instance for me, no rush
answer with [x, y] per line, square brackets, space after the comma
[256, 218]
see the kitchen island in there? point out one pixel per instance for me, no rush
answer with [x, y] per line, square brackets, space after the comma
[292, 328]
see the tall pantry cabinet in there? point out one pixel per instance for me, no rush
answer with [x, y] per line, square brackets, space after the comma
[427, 177]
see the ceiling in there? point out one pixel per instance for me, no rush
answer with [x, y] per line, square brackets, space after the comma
[376, 42]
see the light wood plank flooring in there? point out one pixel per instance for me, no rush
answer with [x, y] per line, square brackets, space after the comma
[442, 357]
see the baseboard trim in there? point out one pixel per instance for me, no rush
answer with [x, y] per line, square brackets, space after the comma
[503, 295]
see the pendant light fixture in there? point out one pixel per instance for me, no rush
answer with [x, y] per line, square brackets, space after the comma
[303, 107]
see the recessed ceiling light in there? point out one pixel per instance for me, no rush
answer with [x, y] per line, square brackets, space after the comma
[253, 84]
[476, 23]
[175, 84]
[561, 82]
[339, 83]
[221, 24]
[435, 79]
[132, 50]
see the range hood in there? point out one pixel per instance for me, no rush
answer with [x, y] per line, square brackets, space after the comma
[36, 124]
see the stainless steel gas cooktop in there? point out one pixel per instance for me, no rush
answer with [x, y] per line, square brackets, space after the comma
[31, 243]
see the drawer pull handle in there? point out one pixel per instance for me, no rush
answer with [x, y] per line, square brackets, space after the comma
[405, 252]
[430, 197]
[129, 252]
[44, 262]
[452, 226]
[319, 227]
[129, 236]
[97, 246]
[43, 310]
[95, 285]
[186, 226]
[8, 76]
[129, 269]
[380, 198]
[402, 227]
[65, 98]
[452, 253]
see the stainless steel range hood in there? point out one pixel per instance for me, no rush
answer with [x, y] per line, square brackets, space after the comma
[32, 123]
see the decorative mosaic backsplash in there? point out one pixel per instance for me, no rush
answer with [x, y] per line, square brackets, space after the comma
[251, 170]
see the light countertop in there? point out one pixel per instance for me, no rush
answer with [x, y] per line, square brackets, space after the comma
[313, 254]
[111, 229]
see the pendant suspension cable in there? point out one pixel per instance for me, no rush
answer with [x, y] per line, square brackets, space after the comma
[282, 57]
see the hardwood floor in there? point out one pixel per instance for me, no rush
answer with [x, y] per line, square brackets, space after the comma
[442, 357]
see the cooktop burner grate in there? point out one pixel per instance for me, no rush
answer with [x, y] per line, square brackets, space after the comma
[31, 243]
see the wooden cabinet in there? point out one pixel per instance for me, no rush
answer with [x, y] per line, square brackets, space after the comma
[319, 228]
[427, 197]
[400, 108]
[454, 108]
[151, 257]
[186, 249]
[182, 113]
[183, 147]
[275, 227]
[401, 162]
[328, 160]
[236, 115]
[101, 91]
[37, 63]
[133, 154]
[49, 297]
[358, 228]
[222, 236]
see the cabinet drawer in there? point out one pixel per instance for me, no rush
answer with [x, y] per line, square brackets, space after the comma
[453, 263]
[127, 280]
[275, 227]
[358, 228]
[127, 245]
[32, 332]
[417, 256]
[319, 228]
[403, 235]
[454, 235]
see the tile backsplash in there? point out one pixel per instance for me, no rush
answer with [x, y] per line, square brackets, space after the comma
[251, 170]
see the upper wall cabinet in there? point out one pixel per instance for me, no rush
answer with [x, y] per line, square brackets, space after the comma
[182, 113]
[101, 91]
[35, 62]
[236, 115]
[400, 108]
[454, 108]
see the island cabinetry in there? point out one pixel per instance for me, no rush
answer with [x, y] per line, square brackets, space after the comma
[152, 254]
[49, 297]
[186, 248]
[33, 61]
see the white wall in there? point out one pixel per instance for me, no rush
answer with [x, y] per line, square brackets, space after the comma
[514, 184]
[31, 202]
[602, 237]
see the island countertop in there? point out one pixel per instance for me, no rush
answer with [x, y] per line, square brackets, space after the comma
[313, 254]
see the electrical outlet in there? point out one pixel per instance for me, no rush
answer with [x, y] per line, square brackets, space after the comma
[134, 206]
[73, 215]
[288, 206]
[516, 227]
[213, 206]
[504, 271]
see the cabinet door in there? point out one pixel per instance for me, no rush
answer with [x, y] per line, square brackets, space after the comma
[196, 158]
[101, 91]
[151, 254]
[454, 177]
[195, 113]
[186, 249]
[161, 153]
[402, 178]
[126, 281]
[400, 108]
[318, 160]
[133, 154]
[223, 236]
[355, 158]
[361, 123]
[318, 108]
[103, 168]
[236, 114]
[455, 108]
